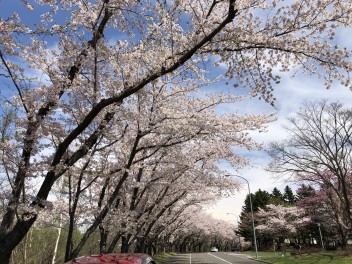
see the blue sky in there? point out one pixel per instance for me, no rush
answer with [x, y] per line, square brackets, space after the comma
[290, 94]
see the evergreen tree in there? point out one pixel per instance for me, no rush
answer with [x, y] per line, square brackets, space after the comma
[276, 197]
[304, 191]
[288, 196]
[260, 199]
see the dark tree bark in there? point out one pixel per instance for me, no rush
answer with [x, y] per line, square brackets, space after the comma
[11, 230]
[103, 239]
[124, 244]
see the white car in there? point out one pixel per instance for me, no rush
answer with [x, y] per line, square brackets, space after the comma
[214, 249]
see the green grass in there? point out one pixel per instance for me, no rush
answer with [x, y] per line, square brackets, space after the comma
[159, 258]
[316, 258]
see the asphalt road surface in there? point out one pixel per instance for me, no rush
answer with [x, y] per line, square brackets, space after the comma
[210, 258]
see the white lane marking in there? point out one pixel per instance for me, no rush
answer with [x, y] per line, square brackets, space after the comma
[219, 258]
[237, 254]
[190, 258]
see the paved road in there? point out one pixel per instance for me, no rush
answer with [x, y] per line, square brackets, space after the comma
[211, 258]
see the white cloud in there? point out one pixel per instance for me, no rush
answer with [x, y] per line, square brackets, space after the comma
[290, 94]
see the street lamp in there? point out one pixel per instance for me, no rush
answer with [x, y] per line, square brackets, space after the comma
[250, 201]
[321, 237]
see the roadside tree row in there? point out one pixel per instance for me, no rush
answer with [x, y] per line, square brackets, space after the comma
[317, 158]
[105, 117]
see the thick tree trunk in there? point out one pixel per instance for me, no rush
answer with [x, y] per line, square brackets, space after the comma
[113, 243]
[100, 217]
[88, 233]
[140, 246]
[347, 204]
[151, 250]
[343, 236]
[103, 239]
[69, 244]
[5, 257]
[9, 241]
[124, 244]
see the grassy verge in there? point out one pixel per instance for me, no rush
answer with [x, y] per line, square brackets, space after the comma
[159, 258]
[316, 258]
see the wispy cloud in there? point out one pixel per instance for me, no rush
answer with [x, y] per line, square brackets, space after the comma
[291, 93]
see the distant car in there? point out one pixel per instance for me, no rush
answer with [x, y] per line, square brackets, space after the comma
[114, 258]
[214, 249]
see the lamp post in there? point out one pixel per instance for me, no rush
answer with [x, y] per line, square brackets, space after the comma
[250, 201]
[321, 237]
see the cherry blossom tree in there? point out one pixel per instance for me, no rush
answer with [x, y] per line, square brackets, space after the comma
[280, 221]
[260, 200]
[319, 153]
[201, 231]
[161, 147]
[71, 74]
[324, 207]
